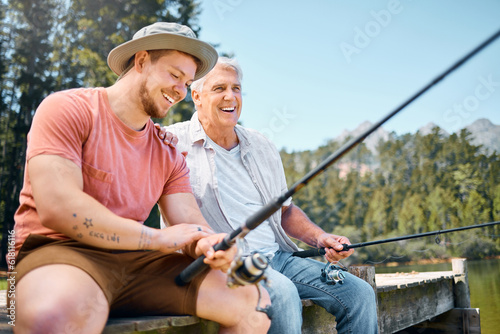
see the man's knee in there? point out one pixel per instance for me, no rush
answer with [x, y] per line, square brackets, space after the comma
[51, 307]
[286, 305]
[233, 307]
[254, 313]
[283, 291]
[365, 289]
[61, 313]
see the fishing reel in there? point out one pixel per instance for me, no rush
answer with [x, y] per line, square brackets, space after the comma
[248, 270]
[332, 274]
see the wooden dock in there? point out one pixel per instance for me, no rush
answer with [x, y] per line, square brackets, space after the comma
[427, 302]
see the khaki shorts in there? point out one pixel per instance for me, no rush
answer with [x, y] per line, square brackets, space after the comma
[135, 283]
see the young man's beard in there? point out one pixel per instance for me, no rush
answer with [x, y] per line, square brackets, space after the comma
[148, 103]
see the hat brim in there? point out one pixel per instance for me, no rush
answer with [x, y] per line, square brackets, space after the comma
[119, 56]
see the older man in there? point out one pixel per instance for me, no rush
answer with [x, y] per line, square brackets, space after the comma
[95, 168]
[235, 171]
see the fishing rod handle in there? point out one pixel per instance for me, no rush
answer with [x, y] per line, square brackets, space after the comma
[317, 251]
[310, 252]
[198, 266]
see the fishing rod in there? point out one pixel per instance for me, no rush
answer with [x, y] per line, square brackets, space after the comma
[321, 251]
[198, 266]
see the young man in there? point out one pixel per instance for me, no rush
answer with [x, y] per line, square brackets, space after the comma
[95, 168]
[236, 171]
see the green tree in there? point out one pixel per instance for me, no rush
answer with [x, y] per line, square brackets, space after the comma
[377, 219]
[438, 204]
[496, 203]
[467, 179]
[25, 83]
[411, 218]
[495, 212]
[476, 210]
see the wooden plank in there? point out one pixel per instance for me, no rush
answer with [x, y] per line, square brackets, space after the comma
[367, 273]
[413, 302]
[402, 280]
[130, 325]
[455, 321]
[161, 324]
[461, 288]
[317, 320]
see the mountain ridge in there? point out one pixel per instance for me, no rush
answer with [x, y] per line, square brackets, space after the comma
[483, 132]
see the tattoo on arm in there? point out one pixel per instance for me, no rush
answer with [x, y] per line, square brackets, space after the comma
[145, 238]
[113, 238]
[88, 223]
[75, 228]
[109, 237]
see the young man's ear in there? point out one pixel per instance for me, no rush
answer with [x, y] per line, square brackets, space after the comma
[140, 60]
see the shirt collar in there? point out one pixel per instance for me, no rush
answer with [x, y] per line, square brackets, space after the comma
[198, 133]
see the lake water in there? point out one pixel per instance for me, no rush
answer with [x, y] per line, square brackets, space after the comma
[484, 284]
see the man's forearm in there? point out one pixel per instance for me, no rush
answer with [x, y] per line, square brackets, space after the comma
[297, 225]
[86, 220]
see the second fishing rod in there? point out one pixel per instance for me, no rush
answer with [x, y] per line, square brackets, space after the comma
[321, 251]
[198, 266]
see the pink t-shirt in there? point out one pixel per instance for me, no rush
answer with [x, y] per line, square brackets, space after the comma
[125, 170]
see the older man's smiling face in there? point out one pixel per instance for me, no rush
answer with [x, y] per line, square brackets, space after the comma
[219, 103]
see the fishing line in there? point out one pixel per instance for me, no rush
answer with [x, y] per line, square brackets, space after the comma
[383, 261]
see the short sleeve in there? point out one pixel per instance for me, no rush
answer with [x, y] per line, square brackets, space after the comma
[60, 126]
[178, 182]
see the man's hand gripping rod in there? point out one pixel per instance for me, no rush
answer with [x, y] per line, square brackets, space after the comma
[198, 266]
[255, 220]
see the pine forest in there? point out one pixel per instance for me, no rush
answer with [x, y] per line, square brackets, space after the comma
[412, 184]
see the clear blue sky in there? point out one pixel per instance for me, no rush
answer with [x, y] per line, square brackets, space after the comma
[312, 69]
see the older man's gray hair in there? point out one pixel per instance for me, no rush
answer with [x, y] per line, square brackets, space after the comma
[225, 62]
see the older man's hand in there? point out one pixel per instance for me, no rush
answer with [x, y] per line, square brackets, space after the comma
[333, 245]
[168, 137]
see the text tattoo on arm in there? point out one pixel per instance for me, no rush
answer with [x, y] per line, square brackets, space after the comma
[95, 234]
[145, 238]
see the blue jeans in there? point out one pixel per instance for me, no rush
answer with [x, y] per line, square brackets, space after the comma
[293, 278]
